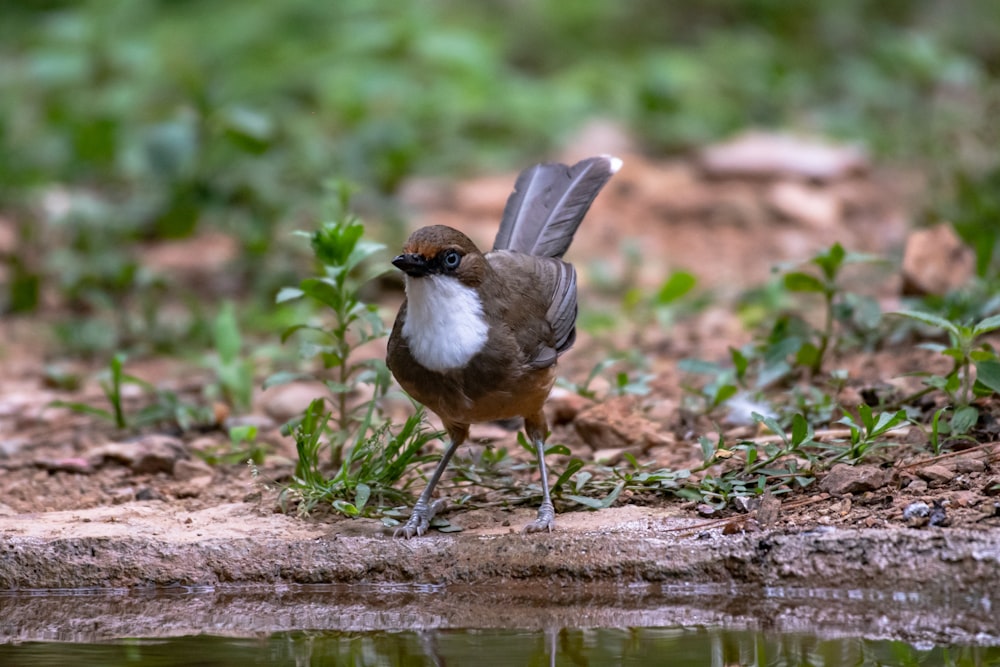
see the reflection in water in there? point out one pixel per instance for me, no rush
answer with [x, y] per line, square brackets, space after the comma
[700, 646]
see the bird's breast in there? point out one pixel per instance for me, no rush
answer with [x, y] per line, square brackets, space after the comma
[445, 324]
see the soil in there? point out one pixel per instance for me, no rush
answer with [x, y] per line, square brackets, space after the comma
[83, 506]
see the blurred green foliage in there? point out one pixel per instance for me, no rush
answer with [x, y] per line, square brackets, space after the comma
[128, 121]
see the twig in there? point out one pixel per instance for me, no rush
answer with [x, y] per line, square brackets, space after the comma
[949, 455]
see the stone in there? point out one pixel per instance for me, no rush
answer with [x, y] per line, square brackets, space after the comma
[618, 424]
[965, 464]
[564, 405]
[937, 475]
[935, 261]
[149, 454]
[286, 401]
[768, 154]
[186, 470]
[814, 207]
[843, 479]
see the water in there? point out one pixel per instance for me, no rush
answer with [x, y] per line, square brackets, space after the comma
[538, 625]
[636, 647]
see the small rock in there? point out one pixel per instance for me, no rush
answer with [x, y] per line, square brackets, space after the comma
[705, 509]
[765, 154]
[966, 464]
[11, 446]
[285, 401]
[148, 493]
[936, 475]
[935, 261]
[965, 498]
[563, 406]
[617, 424]
[817, 208]
[938, 515]
[917, 514]
[149, 454]
[186, 470]
[745, 504]
[843, 479]
[770, 508]
[917, 486]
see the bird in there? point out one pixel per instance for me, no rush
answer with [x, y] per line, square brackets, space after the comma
[477, 336]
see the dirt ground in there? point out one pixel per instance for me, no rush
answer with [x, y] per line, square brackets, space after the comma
[84, 506]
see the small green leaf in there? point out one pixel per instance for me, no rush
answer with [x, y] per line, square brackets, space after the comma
[803, 282]
[740, 362]
[592, 503]
[988, 373]
[677, 285]
[929, 319]
[800, 429]
[829, 262]
[288, 294]
[708, 448]
[571, 469]
[987, 325]
[362, 493]
[964, 419]
[723, 394]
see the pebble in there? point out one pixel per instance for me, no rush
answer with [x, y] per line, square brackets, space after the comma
[966, 464]
[936, 475]
[843, 479]
[148, 454]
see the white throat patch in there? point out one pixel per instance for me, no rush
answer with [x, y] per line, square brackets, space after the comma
[444, 323]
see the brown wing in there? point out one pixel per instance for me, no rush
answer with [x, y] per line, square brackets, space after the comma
[541, 297]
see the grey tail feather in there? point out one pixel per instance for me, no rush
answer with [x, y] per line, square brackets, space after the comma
[548, 204]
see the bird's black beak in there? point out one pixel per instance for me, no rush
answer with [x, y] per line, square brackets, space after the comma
[412, 264]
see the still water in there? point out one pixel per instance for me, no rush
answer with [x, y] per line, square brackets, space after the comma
[599, 646]
[500, 625]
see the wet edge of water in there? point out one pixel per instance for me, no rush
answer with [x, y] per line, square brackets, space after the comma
[84, 615]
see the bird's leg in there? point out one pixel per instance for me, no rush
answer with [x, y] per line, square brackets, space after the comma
[424, 510]
[536, 428]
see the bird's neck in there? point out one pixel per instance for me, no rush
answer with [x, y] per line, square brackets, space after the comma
[445, 325]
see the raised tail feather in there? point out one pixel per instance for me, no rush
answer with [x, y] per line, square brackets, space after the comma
[548, 204]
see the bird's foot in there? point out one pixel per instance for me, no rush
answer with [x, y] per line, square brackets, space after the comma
[545, 522]
[420, 519]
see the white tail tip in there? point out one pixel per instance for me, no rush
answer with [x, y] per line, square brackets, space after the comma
[614, 164]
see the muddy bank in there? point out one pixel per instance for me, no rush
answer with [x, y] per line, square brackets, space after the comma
[130, 547]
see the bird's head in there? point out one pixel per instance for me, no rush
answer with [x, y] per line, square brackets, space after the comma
[442, 251]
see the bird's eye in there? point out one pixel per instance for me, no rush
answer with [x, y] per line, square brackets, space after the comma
[451, 259]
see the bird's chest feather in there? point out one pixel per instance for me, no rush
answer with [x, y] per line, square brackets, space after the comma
[445, 325]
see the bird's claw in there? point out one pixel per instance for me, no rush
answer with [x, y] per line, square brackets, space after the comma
[419, 521]
[545, 522]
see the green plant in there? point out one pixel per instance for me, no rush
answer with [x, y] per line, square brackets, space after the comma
[233, 371]
[344, 260]
[114, 378]
[630, 380]
[242, 447]
[165, 406]
[367, 477]
[659, 307]
[867, 431]
[967, 352]
[838, 306]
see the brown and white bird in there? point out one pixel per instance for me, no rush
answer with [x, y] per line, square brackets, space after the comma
[478, 335]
